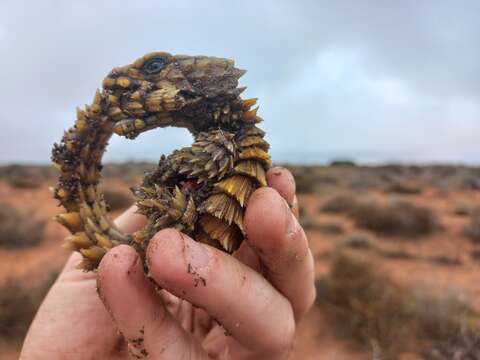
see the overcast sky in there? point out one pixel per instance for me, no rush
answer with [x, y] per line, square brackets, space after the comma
[370, 80]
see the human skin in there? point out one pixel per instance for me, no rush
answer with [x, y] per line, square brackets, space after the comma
[201, 304]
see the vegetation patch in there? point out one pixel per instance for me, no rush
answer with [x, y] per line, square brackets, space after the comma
[19, 230]
[398, 218]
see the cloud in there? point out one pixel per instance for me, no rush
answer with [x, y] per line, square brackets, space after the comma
[373, 80]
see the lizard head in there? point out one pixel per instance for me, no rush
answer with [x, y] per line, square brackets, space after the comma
[160, 89]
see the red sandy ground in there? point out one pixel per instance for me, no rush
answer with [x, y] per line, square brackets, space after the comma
[315, 338]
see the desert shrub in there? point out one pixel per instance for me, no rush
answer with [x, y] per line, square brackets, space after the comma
[366, 180]
[23, 177]
[16, 310]
[343, 163]
[472, 229]
[463, 347]
[364, 304]
[117, 200]
[403, 188]
[18, 230]
[465, 209]
[307, 222]
[448, 325]
[304, 179]
[324, 227]
[19, 303]
[332, 228]
[445, 260]
[434, 312]
[342, 203]
[396, 218]
[358, 241]
[396, 254]
[475, 254]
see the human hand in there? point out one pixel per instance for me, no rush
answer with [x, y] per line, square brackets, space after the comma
[212, 305]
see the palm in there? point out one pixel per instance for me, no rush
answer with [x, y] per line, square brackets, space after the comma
[74, 321]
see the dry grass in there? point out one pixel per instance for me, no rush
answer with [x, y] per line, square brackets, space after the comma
[363, 303]
[24, 177]
[359, 241]
[326, 227]
[398, 218]
[18, 230]
[447, 325]
[19, 302]
[472, 229]
[466, 209]
[339, 204]
[403, 188]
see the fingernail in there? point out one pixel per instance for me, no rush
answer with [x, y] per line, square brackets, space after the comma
[196, 255]
[291, 220]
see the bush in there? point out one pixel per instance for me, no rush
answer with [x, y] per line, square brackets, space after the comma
[324, 227]
[403, 188]
[22, 176]
[359, 241]
[397, 218]
[364, 305]
[117, 200]
[472, 230]
[446, 322]
[304, 179]
[16, 310]
[338, 204]
[342, 162]
[18, 304]
[330, 228]
[17, 230]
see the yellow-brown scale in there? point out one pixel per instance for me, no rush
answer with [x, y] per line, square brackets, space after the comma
[225, 164]
[222, 221]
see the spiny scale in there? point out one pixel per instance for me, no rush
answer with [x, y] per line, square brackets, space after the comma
[201, 190]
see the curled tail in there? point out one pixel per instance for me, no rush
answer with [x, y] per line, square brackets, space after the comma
[78, 158]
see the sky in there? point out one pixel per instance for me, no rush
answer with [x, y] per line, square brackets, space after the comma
[372, 81]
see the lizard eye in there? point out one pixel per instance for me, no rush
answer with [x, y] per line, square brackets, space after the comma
[154, 66]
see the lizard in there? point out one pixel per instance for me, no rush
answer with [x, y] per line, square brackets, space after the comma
[201, 190]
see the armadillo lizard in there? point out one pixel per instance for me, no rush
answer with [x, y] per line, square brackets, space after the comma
[201, 190]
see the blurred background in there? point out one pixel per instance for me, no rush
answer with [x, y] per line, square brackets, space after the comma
[373, 105]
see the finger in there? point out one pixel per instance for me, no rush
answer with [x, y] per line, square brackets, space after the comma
[139, 313]
[248, 256]
[282, 246]
[242, 300]
[282, 180]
